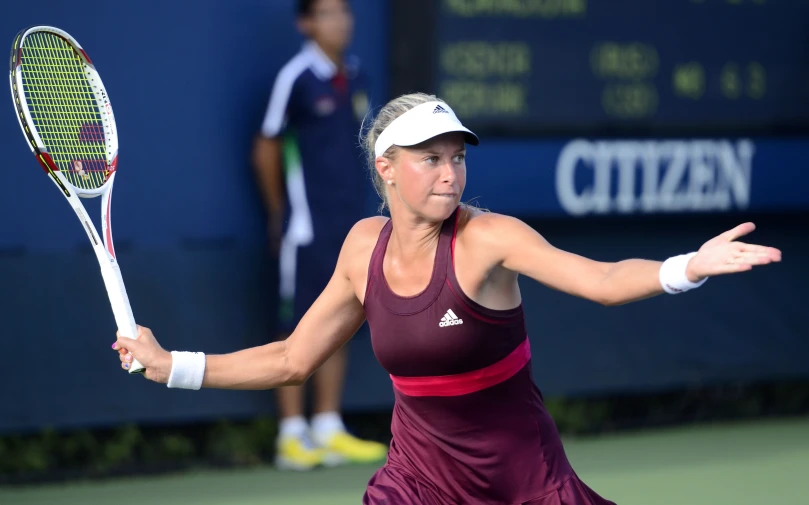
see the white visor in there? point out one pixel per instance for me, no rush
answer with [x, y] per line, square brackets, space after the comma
[419, 124]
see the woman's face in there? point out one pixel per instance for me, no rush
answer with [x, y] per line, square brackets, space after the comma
[429, 178]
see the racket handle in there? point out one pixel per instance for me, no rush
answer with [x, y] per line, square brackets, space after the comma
[137, 367]
[111, 273]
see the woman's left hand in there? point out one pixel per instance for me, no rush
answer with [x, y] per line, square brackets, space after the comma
[723, 255]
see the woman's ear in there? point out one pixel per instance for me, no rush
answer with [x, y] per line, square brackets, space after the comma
[385, 169]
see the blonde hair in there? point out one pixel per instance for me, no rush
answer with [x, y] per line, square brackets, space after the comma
[386, 116]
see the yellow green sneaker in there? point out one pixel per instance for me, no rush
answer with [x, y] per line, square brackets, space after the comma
[296, 453]
[343, 448]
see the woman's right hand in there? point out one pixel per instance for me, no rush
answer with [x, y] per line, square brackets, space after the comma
[146, 349]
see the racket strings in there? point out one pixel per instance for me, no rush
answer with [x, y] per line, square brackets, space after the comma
[64, 109]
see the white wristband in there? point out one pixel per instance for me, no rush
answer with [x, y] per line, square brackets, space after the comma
[187, 370]
[673, 277]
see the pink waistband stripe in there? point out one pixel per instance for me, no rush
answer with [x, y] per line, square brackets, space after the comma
[468, 382]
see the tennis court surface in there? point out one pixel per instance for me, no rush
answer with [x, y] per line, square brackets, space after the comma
[747, 463]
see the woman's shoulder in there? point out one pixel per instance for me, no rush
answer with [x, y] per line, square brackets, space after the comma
[370, 226]
[359, 246]
[364, 233]
[481, 229]
[476, 221]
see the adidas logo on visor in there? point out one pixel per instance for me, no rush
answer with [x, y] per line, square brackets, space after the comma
[439, 109]
[450, 319]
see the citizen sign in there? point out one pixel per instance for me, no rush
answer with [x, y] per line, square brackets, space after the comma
[600, 177]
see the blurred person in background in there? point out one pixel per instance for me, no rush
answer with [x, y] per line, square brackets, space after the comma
[308, 143]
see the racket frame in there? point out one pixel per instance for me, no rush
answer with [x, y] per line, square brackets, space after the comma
[102, 244]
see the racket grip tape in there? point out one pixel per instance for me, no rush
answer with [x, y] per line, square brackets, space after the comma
[121, 308]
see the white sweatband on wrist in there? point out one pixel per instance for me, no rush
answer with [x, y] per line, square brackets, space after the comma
[187, 370]
[673, 277]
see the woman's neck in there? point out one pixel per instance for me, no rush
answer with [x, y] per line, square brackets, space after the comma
[412, 236]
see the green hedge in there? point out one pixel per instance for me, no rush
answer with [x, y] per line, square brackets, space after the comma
[132, 449]
[51, 455]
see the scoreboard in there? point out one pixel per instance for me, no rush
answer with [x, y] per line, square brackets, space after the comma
[609, 67]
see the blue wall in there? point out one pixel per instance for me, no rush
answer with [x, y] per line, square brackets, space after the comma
[189, 88]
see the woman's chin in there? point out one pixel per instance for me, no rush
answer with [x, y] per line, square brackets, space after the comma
[444, 205]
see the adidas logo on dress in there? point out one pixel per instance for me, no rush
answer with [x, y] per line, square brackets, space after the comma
[438, 109]
[450, 319]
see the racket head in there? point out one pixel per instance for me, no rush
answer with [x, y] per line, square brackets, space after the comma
[64, 110]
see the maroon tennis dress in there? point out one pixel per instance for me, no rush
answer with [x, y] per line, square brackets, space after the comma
[469, 425]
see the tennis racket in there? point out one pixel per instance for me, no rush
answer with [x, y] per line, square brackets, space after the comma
[66, 117]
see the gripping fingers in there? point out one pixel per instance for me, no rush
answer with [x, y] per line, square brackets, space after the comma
[126, 360]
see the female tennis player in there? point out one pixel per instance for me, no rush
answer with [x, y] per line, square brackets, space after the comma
[437, 283]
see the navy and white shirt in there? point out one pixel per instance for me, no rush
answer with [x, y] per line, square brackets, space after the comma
[317, 109]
